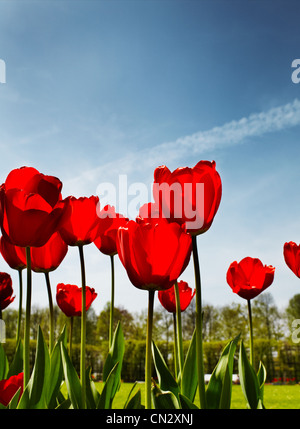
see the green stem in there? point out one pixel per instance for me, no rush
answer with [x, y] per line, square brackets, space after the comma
[199, 335]
[20, 305]
[51, 312]
[250, 332]
[71, 336]
[175, 347]
[83, 328]
[112, 301]
[26, 349]
[148, 351]
[179, 328]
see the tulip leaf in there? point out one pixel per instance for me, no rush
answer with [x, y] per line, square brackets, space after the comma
[218, 392]
[115, 355]
[71, 379]
[249, 380]
[34, 395]
[164, 399]
[134, 402]
[189, 379]
[165, 378]
[14, 400]
[186, 403]
[261, 376]
[56, 372]
[106, 395]
[92, 394]
[17, 364]
[3, 363]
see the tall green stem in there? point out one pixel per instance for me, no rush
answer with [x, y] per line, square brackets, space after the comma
[112, 301]
[175, 347]
[83, 329]
[20, 305]
[250, 332]
[71, 336]
[179, 328]
[51, 312]
[148, 351]
[26, 349]
[199, 336]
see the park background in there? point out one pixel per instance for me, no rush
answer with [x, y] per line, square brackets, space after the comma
[99, 89]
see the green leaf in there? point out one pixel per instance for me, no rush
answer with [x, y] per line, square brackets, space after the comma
[165, 378]
[218, 392]
[164, 399]
[261, 376]
[186, 403]
[14, 400]
[106, 395]
[17, 364]
[71, 379]
[92, 394]
[189, 380]
[56, 372]
[248, 379]
[115, 355]
[135, 403]
[34, 395]
[3, 363]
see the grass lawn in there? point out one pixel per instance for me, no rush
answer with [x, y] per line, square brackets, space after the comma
[275, 397]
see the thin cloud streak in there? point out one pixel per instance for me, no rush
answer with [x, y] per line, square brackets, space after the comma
[229, 134]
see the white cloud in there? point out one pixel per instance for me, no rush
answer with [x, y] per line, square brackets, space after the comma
[139, 165]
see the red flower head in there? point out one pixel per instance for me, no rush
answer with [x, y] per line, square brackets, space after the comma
[48, 257]
[31, 207]
[189, 196]
[109, 223]
[6, 290]
[80, 221]
[15, 256]
[69, 299]
[154, 256]
[291, 252]
[9, 387]
[168, 300]
[249, 277]
[150, 213]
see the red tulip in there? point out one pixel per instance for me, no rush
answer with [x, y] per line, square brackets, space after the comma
[14, 255]
[154, 256]
[48, 257]
[31, 207]
[69, 298]
[249, 277]
[189, 196]
[109, 223]
[80, 222]
[291, 252]
[9, 387]
[6, 290]
[167, 297]
[150, 213]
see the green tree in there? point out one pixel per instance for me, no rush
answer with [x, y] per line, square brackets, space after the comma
[233, 320]
[120, 314]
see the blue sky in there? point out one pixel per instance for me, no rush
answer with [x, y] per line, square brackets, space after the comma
[95, 89]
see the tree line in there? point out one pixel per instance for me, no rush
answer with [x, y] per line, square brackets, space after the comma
[219, 323]
[273, 329]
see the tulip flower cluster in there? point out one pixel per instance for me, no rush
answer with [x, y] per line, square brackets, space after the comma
[38, 225]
